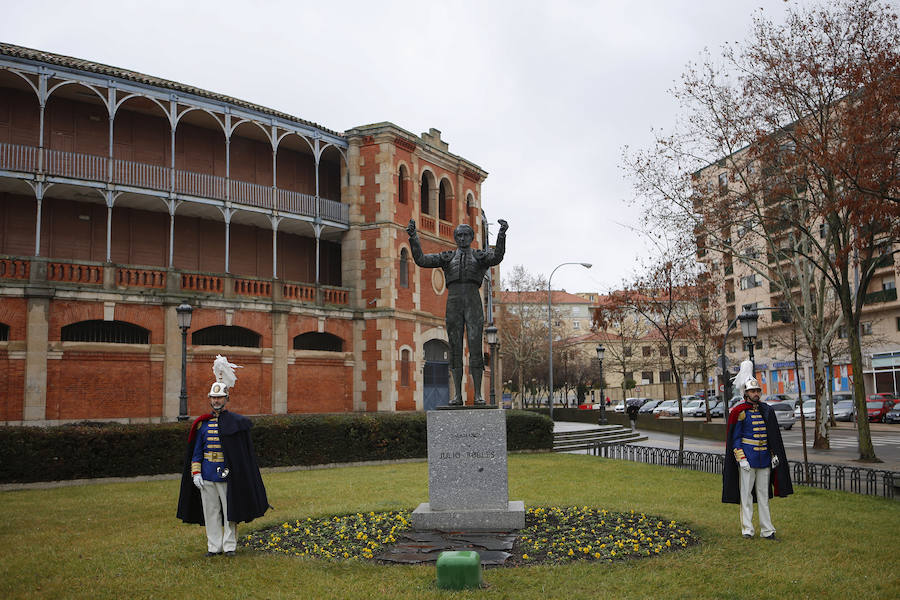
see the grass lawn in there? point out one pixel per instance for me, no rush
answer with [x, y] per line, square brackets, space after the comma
[122, 540]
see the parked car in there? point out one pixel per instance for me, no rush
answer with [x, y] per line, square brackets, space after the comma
[619, 407]
[893, 415]
[700, 411]
[843, 410]
[841, 397]
[877, 409]
[717, 411]
[694, 408]
[809, 410]
[589, 406]
[776, 398]
[663, 408]
[784, 414]
[648, 406]
[882, 396]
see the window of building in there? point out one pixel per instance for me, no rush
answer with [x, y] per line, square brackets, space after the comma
[646, 351]
[404, 268]
[445, 196]
[723, 182]
[646, 377]
[404, 368]
[842, 332]
[682, 351]
[323, 342]
[665, 376]
[627, 349]
[225, 335]
[823, 230]
[759, 344]
[866, 327]
[750, 281]
[425, 194]
[888, 284]
[402, 180]
[576, 324]
[4, 332]
[898, 323]
[110, 332]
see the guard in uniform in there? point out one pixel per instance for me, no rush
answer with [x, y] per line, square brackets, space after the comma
[755, 461]
[464, 270]
[221, 484]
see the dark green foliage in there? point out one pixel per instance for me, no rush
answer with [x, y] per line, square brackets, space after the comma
[88, 450]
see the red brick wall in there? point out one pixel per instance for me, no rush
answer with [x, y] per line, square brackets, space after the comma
[251, 395]
[12, 387]
[319, 385]
[12, 372]
[406, 395]
[104, 385]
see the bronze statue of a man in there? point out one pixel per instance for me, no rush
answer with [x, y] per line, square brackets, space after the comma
[464, 270]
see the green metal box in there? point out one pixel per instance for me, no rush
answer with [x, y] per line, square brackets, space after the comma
[458, 569]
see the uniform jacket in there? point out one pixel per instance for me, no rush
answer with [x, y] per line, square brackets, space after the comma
[462, 265]
[246, 494]
[780, 482]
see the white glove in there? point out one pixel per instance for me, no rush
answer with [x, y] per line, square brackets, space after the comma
[774, 461]
[744, 464]
[198, 481]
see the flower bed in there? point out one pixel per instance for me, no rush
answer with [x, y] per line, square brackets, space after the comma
[551, 535]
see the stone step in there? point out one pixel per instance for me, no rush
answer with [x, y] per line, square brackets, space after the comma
[584, 439]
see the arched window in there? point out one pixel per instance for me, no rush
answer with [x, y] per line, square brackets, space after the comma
[4, 332]
[404, 268]
[404, 368]
[110, 332]
[225, 335]
[402, 181]
[425, 194]
[314, 340]
[445, 197]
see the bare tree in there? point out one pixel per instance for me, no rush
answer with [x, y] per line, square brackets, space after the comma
[801, 123]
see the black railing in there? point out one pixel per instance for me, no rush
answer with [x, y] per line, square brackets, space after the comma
[859, 480]
[888, 295]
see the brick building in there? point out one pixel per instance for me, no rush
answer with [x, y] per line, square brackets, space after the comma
[124, 195]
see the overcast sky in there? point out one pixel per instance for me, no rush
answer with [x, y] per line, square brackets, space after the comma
[542, 95]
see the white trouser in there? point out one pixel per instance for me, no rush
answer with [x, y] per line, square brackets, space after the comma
[760, 479]
[220, 533]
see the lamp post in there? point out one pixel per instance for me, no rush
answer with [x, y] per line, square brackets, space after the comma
[183, 312]
[749, 329]
[600, 351]
[492, 339]
[550, 324]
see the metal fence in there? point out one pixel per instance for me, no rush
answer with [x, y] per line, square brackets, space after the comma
[859, 480]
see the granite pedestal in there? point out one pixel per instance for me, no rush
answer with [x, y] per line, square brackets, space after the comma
[467, 474]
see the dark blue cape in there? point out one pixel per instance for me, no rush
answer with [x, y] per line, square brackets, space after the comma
[246, 493]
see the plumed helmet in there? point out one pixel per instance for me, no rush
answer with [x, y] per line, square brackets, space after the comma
[752, 384]
[218, 390]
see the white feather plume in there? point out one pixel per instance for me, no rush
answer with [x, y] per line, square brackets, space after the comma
[224, 371]
[743, 376]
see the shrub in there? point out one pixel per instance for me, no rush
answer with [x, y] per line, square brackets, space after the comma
[88, 450]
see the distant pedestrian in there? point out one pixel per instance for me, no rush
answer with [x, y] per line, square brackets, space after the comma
[632, 410]
[221, 485]
[756, 466]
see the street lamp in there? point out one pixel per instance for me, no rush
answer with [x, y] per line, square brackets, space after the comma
[550, 323]
[749, 329]
[492, 339]
[600, 351]
[183, 312]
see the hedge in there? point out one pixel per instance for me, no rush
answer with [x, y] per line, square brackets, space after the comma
[89, 450]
